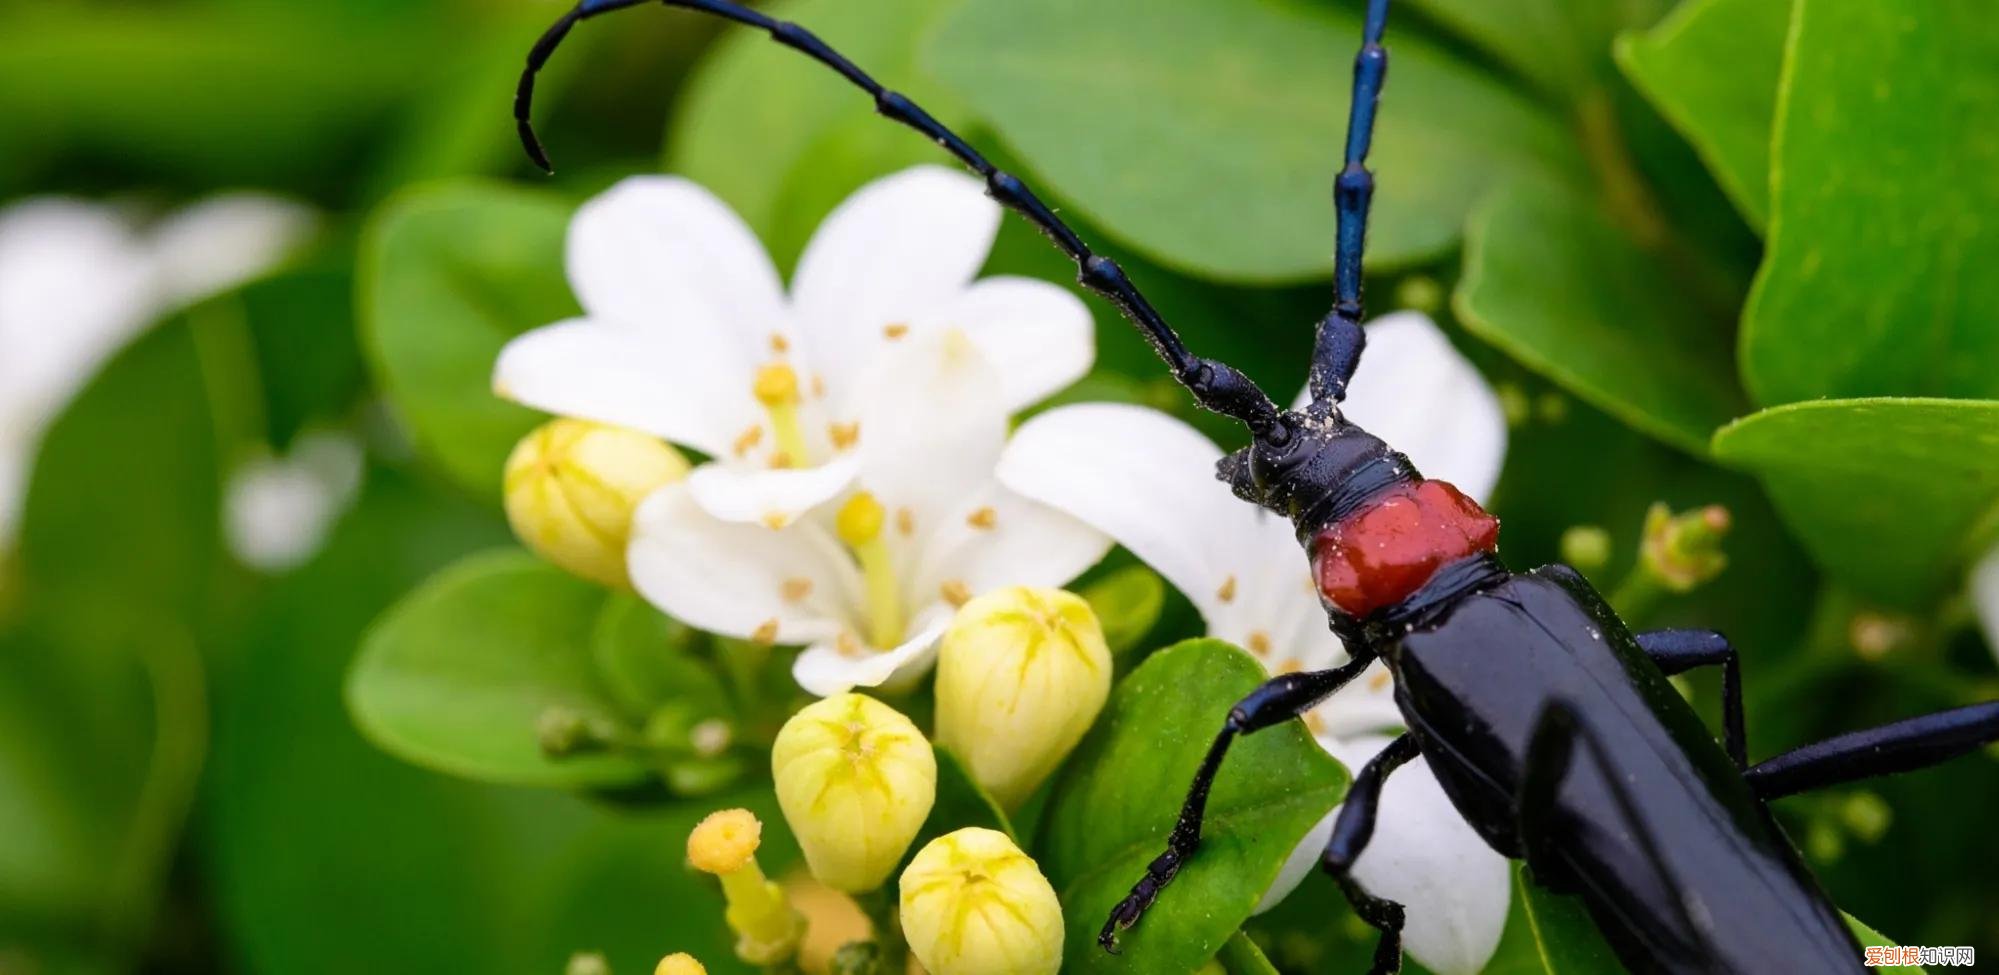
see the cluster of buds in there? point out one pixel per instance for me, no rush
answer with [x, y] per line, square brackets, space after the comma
[1683, 551]
[1021, 676]
[571, 487]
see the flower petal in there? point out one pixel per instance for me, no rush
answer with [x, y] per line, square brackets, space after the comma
[997, 538]
[932, 425]
[1425, 857]
[889, 255]
[222, 241]
[824, 669]
[1985, 596]
[793, 586]
[1144, 478]
[595, 370]
[1037, 335]
[771, 498]
[1419, 393]
[662, 253]
[1365, 707]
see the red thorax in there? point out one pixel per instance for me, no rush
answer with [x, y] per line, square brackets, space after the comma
[1379, 555]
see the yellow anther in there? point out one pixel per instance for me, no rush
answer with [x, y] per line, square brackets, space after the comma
[779, 344]
[955, 592]
[983, 519]
[860, 520]
[905, 522]
[1227, 592]
[859, 524]
[844, 435]
[776, 385]
[895, 330]
[1259, 642]
[725, 841]
[679, 963]
[796, 589]
[766, 632]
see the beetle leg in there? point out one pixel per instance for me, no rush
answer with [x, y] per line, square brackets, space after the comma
[1678, 651]
[1274, 701]
[1903, 746]
[1351, 831]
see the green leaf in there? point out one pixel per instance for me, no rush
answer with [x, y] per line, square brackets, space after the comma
[641, 656]
[456, 676]
[1726, 115]
[1560, 45]
[1206, 135]
[782, 140]
[1127, 603]
[447, 276]
[1118, 796]
[1892, 496]
[1241, 956]
[1885, 174]
[1551, 281]
[1568, 940]
[1870, 937]
[311, 835]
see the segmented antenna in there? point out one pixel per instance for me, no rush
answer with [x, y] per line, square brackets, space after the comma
[1215, 385]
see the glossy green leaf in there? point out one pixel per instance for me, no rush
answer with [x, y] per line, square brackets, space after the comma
[1127, 603]
[1118, 796]
[1560, 45]
[1551, 281]
[447, 276]
[1206, 135]
[1241, 956]
[1885, 176]
[458, 674]
[1568, 940]
[1892, 496]
[311, 834]
[782, 139]
[1870, 937]
[1725, 114]
[642, 657]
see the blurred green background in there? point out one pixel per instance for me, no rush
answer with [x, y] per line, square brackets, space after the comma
[1579, 189]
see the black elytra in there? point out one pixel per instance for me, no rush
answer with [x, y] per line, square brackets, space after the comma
[1549, 724]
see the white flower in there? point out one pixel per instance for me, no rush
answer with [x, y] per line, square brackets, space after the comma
[1985, 596]
[78, 280]
[853, 424]
[688, 334]
[1148, 481]
[278, 510]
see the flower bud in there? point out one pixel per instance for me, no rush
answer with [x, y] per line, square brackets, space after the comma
[1683, 551]
[725, 845]
[679, 963]
[571, 487]
[973, 904]
[856, 780]
[1021, 675]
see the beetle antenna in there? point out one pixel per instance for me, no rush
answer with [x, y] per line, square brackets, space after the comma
[1215, 385]
[1340, 338]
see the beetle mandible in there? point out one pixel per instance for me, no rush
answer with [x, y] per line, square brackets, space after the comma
[1550, 725]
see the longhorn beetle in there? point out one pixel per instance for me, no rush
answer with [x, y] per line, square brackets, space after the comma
[1549, 724]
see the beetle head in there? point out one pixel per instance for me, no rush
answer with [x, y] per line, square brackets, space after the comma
[1313, 467]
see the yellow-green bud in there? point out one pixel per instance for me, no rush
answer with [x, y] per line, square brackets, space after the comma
[1021, 675]
[856, 780]
[571, 487]
[587, 963]
[973, 904]
[1683, 551]
[679, 963]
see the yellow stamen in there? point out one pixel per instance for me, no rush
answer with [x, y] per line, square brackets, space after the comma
[859, 524]
[766, 633]
[844, 435]
[776, 387]
[1227, 592]
[983, 519]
